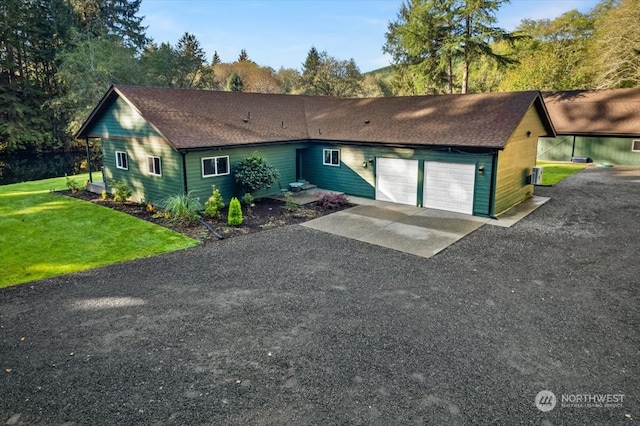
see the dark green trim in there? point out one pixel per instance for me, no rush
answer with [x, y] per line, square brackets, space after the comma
[492, 190]
[420, 183]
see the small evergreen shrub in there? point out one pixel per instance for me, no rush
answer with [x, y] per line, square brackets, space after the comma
[234, 217]
[122, 191]
[182, 208]
[248, 199]
[332, 201]
[72, 184]
[290, 205]
[215, 203]
[255, 173]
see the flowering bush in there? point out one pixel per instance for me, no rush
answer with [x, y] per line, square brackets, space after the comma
[332, 201]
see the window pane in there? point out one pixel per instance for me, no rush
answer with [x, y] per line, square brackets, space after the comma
[335, 157]
[123, 160]
[636, 146]
[327, 156]
[208, 167]
[153, 165]
[222, 165]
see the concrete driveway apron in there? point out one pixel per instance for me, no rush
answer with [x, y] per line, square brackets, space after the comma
[415, 230]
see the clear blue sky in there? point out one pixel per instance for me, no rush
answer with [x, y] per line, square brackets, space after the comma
[279, 33]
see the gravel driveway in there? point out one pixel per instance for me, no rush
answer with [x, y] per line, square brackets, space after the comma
[296, 326]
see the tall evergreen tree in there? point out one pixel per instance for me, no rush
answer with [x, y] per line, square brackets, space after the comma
[118, 18]
[310, 69]
[235, 84]
[431, 37]
[190, 62]
[243, 56]
[216, 59]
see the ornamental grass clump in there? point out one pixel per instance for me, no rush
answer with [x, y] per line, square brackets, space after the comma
[183, 208]
[234, 218]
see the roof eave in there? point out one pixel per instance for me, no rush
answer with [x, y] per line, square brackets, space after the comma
[598, 134]
[87, 124]
[99, 109]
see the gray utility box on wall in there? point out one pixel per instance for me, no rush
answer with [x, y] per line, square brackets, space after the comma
[536, 175]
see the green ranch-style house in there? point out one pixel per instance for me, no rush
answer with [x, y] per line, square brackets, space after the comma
[470, 154]
[601, 126]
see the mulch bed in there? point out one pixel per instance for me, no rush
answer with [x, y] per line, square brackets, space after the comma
[267, 213]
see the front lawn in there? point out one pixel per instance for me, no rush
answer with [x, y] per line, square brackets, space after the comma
[555, 172]
[44, 234]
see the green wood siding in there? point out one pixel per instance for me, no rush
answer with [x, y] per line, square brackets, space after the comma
[601, 149]
[121, 128]
[281, 156]
[143, 185]
[555, 149]
[354, 179]
[516, 161]
[120, 120]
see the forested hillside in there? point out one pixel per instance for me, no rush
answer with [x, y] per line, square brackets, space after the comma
[58, 57]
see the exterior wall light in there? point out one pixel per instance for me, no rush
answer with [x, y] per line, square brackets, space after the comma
[364, 164]
[481, 170]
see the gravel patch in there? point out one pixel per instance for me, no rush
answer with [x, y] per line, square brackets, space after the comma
[296, 326]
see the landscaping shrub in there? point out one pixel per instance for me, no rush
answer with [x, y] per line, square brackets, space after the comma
[234, 218]
[248, 199]
[255, 173]
[182, 208]
[215, 203]
[290, 205]
[72, 184]
[122, 191]
[332, 201]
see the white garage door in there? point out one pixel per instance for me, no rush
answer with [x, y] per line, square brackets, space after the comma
[449, 186]
[397, 180]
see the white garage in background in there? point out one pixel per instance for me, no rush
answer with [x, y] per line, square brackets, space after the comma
[449, 186]
[397, 180]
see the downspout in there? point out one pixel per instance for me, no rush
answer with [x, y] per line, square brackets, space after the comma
[492, 188]
[186, 191]
[86, 143]
[184, 171]
[573, 148]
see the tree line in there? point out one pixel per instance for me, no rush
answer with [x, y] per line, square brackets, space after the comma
[58, 57]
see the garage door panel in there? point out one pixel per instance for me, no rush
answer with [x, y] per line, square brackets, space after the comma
[397, 180]
[449, 186]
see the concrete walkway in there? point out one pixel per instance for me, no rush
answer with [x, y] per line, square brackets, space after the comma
[409, 229]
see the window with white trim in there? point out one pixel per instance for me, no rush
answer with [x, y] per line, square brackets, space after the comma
[331, 157]
[153, 166]
[215, 166]
[122, 162]
[635, 145]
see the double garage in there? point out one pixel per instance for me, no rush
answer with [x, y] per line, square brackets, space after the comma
[437, 184]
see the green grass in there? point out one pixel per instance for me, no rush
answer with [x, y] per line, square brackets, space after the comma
[44, 234]
[555, 172]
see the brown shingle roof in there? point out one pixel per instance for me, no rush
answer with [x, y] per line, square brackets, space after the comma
[190, 119]
[607, 112]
